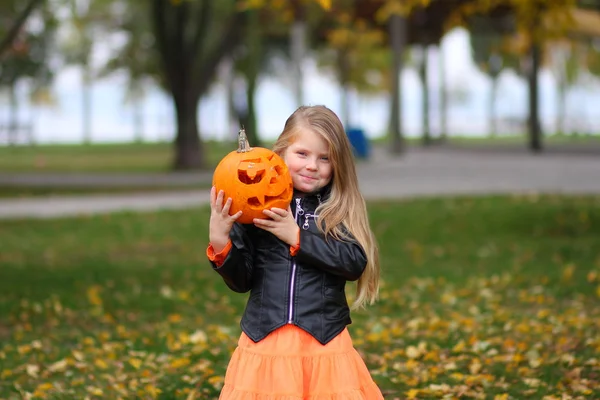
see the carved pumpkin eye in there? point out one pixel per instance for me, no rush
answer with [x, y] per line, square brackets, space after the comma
[256, 179]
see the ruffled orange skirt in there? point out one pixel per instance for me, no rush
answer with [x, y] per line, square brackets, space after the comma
[290, 364]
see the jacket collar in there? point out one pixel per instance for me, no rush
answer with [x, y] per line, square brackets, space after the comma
[317, 196]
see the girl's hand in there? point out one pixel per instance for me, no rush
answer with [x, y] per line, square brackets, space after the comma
[220, 220]
[280, 224]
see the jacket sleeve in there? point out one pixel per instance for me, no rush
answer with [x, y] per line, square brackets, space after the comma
[236, 270]
[342, 258]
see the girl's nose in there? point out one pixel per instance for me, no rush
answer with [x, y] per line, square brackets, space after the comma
[311, 165]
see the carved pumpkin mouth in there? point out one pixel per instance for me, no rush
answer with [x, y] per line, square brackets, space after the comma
[255, 201]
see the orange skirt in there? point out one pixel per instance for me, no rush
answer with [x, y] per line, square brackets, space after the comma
[290, 364]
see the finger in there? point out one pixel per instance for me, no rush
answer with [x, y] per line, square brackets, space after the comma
[236, 215]
[213, 196]
[219, 201]
[227, 206]
[262, 222]
[270, 214]
[279, 211]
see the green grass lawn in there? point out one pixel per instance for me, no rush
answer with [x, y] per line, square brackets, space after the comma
[158, 157]
[100, 158]
[483, 298]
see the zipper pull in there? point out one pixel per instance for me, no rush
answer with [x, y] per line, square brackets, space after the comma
[305, 226]
[299, 210]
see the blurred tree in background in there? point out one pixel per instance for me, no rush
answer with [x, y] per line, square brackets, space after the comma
[182, 46]
[27, 55]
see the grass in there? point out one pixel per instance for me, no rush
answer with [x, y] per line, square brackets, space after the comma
[157, 157]
[100, 158]
[489, 298]
[16, 192]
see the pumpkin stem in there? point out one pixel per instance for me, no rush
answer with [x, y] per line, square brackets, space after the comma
[243, 144]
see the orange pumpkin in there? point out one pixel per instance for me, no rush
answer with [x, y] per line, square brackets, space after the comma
[256, 179]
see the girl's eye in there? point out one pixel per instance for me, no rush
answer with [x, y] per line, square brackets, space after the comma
[325, 158]
[302, 153]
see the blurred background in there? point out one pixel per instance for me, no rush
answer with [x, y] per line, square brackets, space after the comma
[185, 72]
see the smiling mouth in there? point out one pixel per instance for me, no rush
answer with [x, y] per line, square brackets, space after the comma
[308, 177]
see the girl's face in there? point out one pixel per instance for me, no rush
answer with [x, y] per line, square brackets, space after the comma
[307, 158]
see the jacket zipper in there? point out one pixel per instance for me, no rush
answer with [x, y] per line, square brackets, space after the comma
[299, 212]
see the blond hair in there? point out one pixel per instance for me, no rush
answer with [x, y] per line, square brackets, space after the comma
[345, 209]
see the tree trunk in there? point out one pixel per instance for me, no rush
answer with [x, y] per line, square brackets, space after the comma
[13, 123]
[189, 148]
[86, 103]
[298, 45]
[423, 73]
[561, 107]
[493, 122]
[535, 132]
[138, 119]
[398, 38]
[190, 57]
[443, 96]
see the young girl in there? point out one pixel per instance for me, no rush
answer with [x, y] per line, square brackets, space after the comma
[295, 344]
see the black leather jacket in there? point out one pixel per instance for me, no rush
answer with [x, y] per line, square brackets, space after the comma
[307, 290]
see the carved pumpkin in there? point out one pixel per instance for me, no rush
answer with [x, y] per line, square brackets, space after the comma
[256, 179]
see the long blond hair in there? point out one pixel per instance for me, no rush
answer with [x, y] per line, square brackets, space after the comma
[345, 209]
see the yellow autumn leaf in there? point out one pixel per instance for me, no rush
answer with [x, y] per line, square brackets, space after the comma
[216, 381]
[412, 352]
[198, 337]
[152, 390]
[135, 363]
[32, 370]
[459, 347]
[475, 367]
[412, 393]
[326, 4]
[93, 295]
[180, 362]
[44, 387]
[174, 318]
[94, 391]
[568, 271]
[58, 366]
[192, 395]
[100, 363]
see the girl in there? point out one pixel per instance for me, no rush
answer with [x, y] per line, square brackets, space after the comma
[295, 344]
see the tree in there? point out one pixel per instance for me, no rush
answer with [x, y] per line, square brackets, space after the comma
[359, 57]
[87, 20]
[136, 57]
[192, 38]
[9, 10]
[566, 57]
[593, 59]
[28, 58]
[492, 53]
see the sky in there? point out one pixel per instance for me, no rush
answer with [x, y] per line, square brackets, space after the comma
[113, 118]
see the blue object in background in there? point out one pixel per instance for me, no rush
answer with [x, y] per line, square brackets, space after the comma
[359, 142]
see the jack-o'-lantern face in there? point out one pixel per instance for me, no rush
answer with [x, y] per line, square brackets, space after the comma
[255, 180]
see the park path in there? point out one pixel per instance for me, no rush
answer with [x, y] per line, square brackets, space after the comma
[420, 172]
